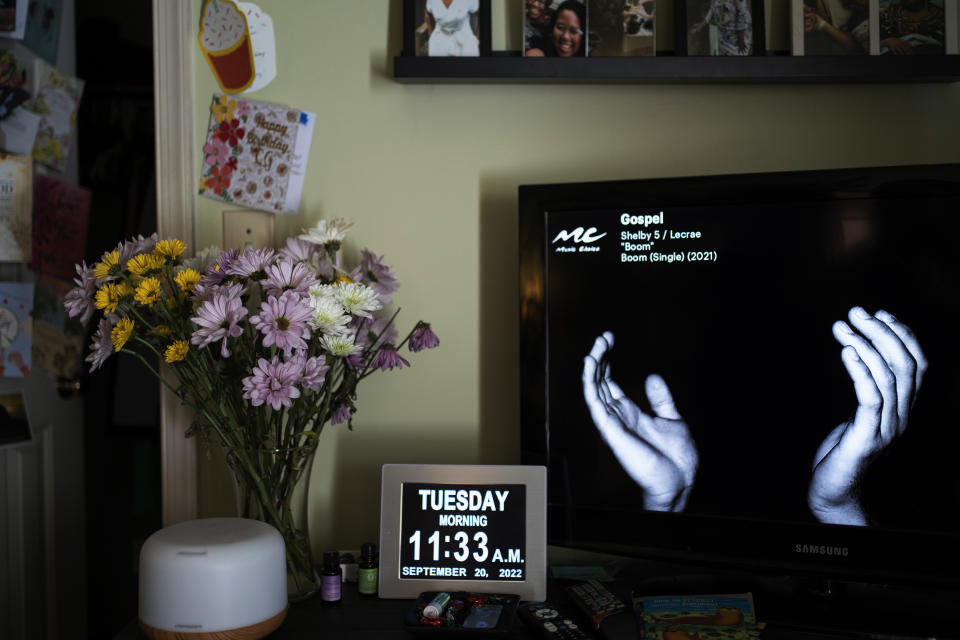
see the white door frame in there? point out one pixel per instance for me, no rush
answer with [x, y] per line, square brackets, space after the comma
[173, 32]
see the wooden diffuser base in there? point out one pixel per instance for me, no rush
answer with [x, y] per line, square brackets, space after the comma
[252, 632]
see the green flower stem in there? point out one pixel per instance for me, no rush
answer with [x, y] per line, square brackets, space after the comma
[282, 471]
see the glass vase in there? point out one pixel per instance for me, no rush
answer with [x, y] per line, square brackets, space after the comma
[270, 485]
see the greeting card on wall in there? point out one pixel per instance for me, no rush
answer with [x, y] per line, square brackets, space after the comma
[12, 80]
[58, 347]
[256, 154]
[42, 35]
[60, 215]
[56, 100]
[227, 45]
[264, 46]
[18, 131]
[16, 207]
[16, 303]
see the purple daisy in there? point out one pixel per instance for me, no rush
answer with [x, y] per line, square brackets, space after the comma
[371, 271]
[355, 360]
[283, 321]
[79, 300]
[341, 415]
[314, 256]
[135, 246]
[251, 261]
[205, 293]
[388, 359]
[423, 337]
[312, 370]
[218, 272]
[298, 250]
[287, 276]
[272, 382]
[217, 319]
[101, 347]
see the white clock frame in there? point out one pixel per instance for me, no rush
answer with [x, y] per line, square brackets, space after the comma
[534, 585]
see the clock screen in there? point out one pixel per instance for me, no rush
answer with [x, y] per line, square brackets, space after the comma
[462, 531]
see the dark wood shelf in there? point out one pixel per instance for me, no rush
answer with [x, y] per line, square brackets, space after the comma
[508, 67]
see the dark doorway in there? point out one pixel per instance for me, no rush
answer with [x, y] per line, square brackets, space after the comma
[115, 130]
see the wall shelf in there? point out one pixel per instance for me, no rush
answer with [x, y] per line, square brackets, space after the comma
[510, 67]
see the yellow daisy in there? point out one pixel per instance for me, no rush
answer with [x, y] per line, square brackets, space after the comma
[176, 351]
[169, 248]
[121, 333]
[108, 297]
[148, 292]
[345, 279]
[109, 265]
[143, 263]
[188, 279]
[162, 330]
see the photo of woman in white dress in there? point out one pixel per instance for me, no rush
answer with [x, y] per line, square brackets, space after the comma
[450, 27]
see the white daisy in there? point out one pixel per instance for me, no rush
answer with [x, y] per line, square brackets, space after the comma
[358, 299]
[327, 231]
[323, 291]
[337, 345]
[329, 316]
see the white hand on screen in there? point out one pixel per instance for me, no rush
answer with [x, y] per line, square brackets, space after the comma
[886, 364]
[656, 451]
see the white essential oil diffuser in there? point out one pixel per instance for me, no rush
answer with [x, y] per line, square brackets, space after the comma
[212, 578]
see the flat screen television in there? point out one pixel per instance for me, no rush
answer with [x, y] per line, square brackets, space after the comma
[802, 331]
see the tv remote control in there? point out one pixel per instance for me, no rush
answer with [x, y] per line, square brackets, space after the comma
[595, 600]
[550, 623]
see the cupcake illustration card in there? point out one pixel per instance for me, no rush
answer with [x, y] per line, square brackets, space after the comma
[226, 44]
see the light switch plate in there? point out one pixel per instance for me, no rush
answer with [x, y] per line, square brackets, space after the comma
[247, 228]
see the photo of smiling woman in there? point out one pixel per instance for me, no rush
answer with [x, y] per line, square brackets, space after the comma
[567, 35]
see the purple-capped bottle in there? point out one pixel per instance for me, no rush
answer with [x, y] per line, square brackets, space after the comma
[331, 578]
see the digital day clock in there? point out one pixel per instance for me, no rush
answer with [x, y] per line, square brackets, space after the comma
[463, 527]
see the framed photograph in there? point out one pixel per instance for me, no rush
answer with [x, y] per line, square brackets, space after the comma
[833, 27]
[719, 28]
[555, 28]
[445, 28]
[917, 27]
[622, 27]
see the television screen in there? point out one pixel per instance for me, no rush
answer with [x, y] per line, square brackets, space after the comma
[756, 368]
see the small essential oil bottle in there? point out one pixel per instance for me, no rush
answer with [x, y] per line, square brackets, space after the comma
[331, 577]
[367, 570]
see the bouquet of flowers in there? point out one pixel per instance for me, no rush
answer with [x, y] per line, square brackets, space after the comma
[267, 347]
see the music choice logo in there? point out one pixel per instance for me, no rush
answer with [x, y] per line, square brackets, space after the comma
[578, 236]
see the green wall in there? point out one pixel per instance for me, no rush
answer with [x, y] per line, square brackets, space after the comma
[429, 175]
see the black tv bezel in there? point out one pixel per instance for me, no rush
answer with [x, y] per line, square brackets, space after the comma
[848, 553]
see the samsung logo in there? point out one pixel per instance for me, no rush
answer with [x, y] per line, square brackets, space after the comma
[821, 550]
[578, 235]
